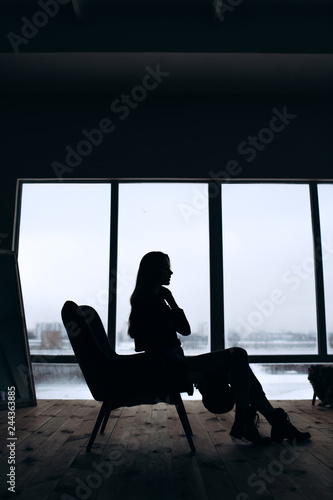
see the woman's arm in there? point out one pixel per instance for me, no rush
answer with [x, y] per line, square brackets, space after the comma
[181, 324]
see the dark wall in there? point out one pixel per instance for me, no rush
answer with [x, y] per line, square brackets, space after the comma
[169, 136]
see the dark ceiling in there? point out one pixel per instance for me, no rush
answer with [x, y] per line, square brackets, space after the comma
[279, 26]
[252, 46]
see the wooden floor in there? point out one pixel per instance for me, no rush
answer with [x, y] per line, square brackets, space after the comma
[145, 455]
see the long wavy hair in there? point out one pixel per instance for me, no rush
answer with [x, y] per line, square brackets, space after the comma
[148, 274]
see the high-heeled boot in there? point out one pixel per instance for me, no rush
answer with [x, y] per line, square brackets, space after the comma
[282, 428]
[246, 426]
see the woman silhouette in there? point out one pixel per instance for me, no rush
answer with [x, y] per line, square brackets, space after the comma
[224, 378]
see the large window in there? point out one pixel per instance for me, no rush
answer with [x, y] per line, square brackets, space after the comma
[269, 287]
[76, 240]
[325, 193]
[63, 255]
[167, 217]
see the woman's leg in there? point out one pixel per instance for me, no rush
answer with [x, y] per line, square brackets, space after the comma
[282, 428]
[231, 366]
[257, 396]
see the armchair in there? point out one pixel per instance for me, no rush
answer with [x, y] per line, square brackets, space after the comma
[120, 380]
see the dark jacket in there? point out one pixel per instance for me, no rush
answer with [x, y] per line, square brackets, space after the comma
[154, 325]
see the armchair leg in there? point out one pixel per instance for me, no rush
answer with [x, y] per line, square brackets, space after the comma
[184, 420]
[105, 421]
[98, 423]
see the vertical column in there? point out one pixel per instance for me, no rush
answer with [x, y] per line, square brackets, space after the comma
[113, 263]
[318, 269]
[216, 266]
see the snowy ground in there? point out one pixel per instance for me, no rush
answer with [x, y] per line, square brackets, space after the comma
[282, 386]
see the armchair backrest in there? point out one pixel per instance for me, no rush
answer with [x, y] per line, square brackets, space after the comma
[90, 345]
[97, 329]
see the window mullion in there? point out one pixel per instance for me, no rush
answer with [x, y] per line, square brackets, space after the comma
[113, 264]
[318, 269]
[216, 267]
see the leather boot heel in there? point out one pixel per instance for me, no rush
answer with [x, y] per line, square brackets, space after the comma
[282, 428]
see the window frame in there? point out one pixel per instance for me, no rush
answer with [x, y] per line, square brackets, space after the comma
[217, 333]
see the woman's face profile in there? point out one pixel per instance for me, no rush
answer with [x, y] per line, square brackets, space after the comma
[165, 274]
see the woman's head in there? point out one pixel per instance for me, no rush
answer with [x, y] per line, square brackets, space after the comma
[154, 270]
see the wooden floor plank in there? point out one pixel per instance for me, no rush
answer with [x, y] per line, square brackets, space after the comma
[188, 479]
[80, 465]
[292, 463]
[47, 448]
[159, 478]
[30, 420]
[95, 474]
[132, 477]
[321, 443]
[232, 453]
[214, 472]
[144, 454]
